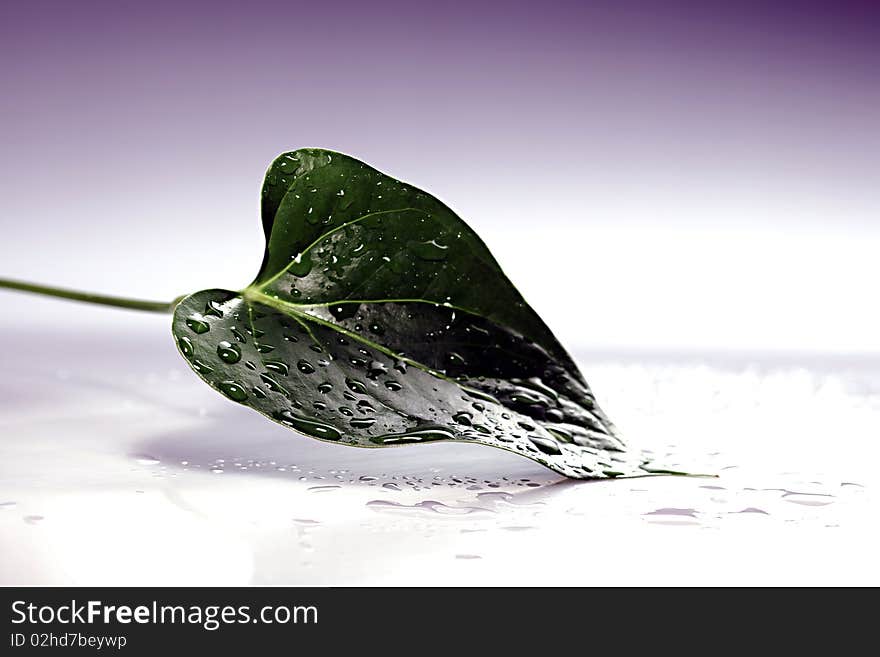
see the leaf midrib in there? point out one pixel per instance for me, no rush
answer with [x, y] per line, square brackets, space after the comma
[251, 295]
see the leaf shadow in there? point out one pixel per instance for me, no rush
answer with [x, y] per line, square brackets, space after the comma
[235, 443]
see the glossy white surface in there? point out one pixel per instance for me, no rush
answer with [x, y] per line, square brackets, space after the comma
[118, 466]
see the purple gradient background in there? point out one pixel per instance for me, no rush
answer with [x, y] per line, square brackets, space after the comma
[707, 172]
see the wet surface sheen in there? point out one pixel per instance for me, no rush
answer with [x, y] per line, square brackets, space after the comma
[118, 467]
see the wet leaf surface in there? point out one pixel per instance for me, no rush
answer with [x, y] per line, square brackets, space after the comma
[379, 318]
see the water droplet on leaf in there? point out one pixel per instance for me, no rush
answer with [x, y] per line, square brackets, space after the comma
[233, 390]
[277, 366]
[301, 265]
[186, 346]
[317, 429]
[545, 445]
[462, 418]
[228, 352]
[197, 324]
[356, 386]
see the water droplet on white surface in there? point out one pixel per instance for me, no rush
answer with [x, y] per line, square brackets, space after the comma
[322, 489]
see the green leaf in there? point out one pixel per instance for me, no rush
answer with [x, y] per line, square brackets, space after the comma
[380, 318]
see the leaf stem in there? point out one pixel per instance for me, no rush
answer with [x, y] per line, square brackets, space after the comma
[89, 297]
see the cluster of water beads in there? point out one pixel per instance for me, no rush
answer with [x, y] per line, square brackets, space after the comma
[375, 368]
[724, 501]
[339, 477]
